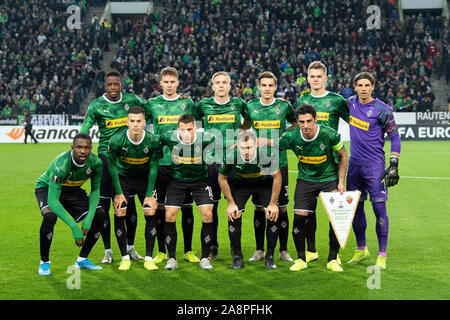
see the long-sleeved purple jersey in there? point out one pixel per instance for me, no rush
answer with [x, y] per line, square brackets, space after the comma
[368, 125]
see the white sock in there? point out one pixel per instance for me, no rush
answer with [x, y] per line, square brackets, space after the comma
[147, 258]
[108, 250]
[127, 257]
[41, 262]
[129, 247]
[79, 259]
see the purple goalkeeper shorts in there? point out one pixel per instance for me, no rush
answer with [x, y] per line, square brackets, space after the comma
[367, 180]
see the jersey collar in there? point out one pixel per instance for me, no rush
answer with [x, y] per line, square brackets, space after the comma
[114, 102]
[214, 99]
[320, 96]
[75, 163]
[168, 99]
[313, 138]
[264, 104]
[136, 143]
[184, 143]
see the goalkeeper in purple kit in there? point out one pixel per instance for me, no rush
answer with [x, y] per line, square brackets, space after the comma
[370, 120]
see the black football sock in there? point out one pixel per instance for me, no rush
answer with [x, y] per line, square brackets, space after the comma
[187, 224]
[311, 226]
[160, 218]
[272, 233]
[206, 238]
[150, 234]
[334, 244]
[215, 223]
[106, 232]
[121, 234]
[283, 224]
[299, 234]
[46, 234]
[235, 234]
[94, 233]
[170, 236]
[131, 221]
[259, 221]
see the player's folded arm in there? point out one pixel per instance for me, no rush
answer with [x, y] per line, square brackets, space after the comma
[54, 192]
[94, 198]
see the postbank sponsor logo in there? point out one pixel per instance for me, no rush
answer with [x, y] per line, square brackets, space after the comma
[113, 123]
[359, 123]
[221, 118]
[313, 160]
[267, 124]
[168, 119]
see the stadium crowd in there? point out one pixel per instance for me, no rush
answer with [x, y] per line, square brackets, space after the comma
[247, 37]
[47, 68]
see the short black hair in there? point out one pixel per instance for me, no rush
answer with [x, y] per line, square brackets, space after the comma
[113, 73]
[186, 118]
[304, 109]
[84, 136]
[136, 110]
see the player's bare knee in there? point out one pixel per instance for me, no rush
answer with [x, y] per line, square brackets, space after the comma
[301, 213]
[48, 216]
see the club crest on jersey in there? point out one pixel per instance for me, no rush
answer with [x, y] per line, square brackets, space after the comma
[232, 106]
[183, 106]
[277, 110]
[322, 146]
[146, 150]
[88, 171]
[369, 113]
[127, 107]
[125, 150]
[328, 104]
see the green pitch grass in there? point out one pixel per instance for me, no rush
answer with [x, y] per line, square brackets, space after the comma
[418, 265]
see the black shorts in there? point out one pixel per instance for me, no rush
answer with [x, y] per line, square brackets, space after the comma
[177, 190]
[213, 177]
[260, 191]
[283, 198]
[133, 186]
[306, 193]
[76, 202]
[161, 184]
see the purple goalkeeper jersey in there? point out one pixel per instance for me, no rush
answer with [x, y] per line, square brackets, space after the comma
[368, 125]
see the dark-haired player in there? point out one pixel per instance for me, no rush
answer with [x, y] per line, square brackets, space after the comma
[110, 113]
[188, 174]
[255, 177]
[133, 157]
[164, 111]
[370, 120]
[59, 195]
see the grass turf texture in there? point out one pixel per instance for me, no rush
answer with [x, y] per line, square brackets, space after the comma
[418, 265]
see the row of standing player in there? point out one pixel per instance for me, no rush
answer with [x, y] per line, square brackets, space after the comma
[108, 113]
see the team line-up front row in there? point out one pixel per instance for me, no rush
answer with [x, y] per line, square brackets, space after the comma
[178, 164]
